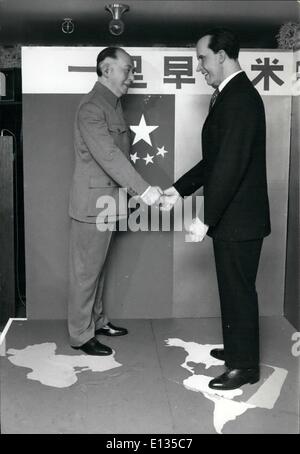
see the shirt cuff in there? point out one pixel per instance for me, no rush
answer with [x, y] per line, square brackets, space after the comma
[145, 192]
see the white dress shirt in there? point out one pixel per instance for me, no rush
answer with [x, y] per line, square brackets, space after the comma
[225, 81]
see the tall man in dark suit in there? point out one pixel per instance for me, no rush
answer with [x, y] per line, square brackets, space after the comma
[236, 207]
[102, 168]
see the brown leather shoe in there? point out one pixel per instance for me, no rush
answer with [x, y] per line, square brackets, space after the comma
[235, 378]
[94, 347]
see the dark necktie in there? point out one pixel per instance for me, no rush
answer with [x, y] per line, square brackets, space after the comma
[213, 98]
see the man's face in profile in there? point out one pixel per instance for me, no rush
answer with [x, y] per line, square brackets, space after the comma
[121, 73]
[208, 62]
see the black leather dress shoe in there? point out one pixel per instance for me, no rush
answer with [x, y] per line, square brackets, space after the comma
[110, 330]
[218, 353]
[94, 347]
[235, 378]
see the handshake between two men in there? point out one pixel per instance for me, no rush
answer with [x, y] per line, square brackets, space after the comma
[166, 200]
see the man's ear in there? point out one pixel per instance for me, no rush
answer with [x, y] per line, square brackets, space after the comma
[106, 69]
[222, 56]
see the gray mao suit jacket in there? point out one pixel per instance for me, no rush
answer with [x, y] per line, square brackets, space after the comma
[102, 160]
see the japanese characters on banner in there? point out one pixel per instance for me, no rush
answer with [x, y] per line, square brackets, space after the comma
[157, 70]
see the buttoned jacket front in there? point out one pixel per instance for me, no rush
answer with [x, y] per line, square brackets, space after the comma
[233, 168]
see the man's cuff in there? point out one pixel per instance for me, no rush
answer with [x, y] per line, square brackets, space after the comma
[145, 192]
[178, 189]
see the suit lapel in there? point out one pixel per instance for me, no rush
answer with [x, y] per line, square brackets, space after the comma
[239, 78]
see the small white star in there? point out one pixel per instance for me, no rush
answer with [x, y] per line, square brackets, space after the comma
[134, 157]
[161, 151]
[142, 131]
[148, 159]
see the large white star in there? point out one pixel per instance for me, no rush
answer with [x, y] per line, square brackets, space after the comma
[134, 157]
[161, 151]
[148, 159]
[142, 131]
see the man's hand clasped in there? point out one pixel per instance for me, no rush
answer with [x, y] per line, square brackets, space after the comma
[165, 199]
[152, 195]
[169, 198]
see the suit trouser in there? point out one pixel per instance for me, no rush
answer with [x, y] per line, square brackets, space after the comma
[236, 266]
[87, 253]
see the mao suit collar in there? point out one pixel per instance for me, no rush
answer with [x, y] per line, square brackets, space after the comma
[107, 94]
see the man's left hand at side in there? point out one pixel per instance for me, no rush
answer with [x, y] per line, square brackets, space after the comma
[197, 230]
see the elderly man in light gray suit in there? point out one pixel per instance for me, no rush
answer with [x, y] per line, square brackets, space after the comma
[102, 167]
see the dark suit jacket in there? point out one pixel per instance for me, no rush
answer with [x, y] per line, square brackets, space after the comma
[233, 169]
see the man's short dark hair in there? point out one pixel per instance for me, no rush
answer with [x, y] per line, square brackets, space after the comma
[224, 39]
[107, 52]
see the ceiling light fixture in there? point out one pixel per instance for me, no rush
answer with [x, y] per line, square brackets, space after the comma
[116, 25]
[67, 26]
